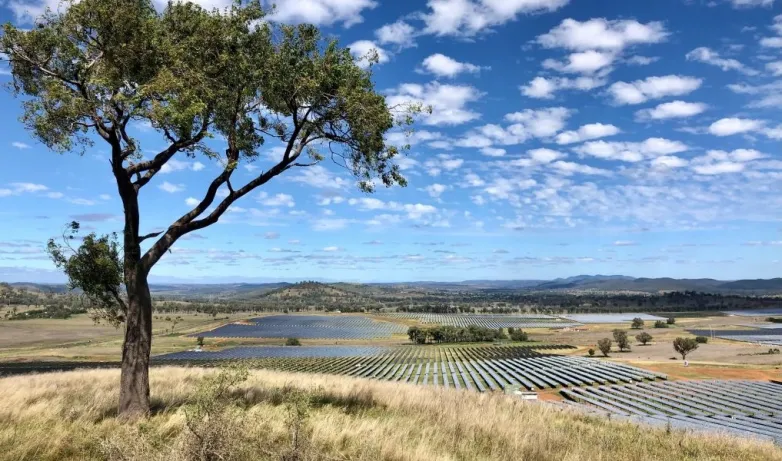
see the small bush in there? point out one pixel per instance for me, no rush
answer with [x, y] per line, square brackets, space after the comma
[637, 324]
[644, 338]
[701, 339]
[292, 342]
[519, 335]
[671, 320]
[591, 352]
[200, 341]
[661, 324]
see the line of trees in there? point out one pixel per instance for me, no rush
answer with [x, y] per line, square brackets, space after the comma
[470, 334]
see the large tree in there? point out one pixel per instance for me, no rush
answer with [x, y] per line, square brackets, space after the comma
[90, 70]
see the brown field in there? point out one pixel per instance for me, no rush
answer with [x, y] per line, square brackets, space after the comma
[70, 416]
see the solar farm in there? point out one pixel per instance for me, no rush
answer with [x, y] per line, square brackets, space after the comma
[486, 320]
[766, 335]
[307, 326]
[481, 368]
[751, 408]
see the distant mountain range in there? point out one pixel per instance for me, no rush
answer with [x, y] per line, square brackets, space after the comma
[605, 283]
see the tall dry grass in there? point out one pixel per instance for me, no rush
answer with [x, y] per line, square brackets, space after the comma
[71, 416]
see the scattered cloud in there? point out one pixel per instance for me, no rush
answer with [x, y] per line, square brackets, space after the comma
[673, 109]
[171, 188]
[587, 132]
[20, 145]
[321, 12]
[709, 56]
[443, 66]
[365, 51]
[398, 33]
[470, 17]
[731, 126]
[448, 102]
[641, 91]
[602, 34]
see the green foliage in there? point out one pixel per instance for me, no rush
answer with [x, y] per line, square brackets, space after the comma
[605, 346]
[200, 341]
[774, 320]
[671, 320]
[501, 334]
[638, 323]
[96, 268]
[701, 339]
[620, 336]
[292, 342]
[452, 334]
[519, 335]
[591, 352]
[684, 346]
[644, 338]
[661, 324]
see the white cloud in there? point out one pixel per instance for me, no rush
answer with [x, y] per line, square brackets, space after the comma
[54, 195]
[719, 168]
[545, 88]
[771, 42]
[602, 34]
[624, 243]
[331, 249]
[641, 91]
[709, 56]
[20, 145]
[443, 66]
[27, 187]
[398, 33]
[543, 155]
[104, 197]
[631, 151]
[277, 200]
[668, 162]
[171, 188]
[538, 123]
[329, 224]
[641, 60]
[434, 166]
[674, 109]
[319, 177]
[364, 50]
[448, 102]
[775, 68]
[321, 12]
[179, 165]
[435, 190]
[192, 201]
[587, 132]
[493, 151]
[586, 62]
[731, 126]
[469, 17]
[718, 162]
[751, 3]
[570, 168]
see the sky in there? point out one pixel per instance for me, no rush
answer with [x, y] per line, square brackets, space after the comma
[566, 137]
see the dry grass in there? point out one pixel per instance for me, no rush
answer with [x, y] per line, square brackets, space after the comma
[70, 416]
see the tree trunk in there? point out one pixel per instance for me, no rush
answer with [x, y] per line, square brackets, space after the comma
[134, 381]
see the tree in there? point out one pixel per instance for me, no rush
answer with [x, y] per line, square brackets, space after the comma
[620, 336]
[200, 341]
[671, 321]
[292, 342]
[605, 346]
[660, 324]
[638, 323]
[519, 335]
[701, 339]
[684, 346]
[96, 67]
[644, 338]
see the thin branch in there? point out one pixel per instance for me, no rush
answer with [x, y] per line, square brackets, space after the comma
[148, 236]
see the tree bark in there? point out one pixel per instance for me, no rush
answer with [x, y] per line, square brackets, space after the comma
[134, 380]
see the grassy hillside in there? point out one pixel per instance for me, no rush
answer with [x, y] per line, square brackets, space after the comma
[276, 416]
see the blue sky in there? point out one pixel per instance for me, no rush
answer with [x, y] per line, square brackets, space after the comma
[567, 137]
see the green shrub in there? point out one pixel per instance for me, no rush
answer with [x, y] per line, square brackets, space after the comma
[661, 324]
[591, 352]
[671, 320]
[701, 339]
[292, 342]
[519, 335]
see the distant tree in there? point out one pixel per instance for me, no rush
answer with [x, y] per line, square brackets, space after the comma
[671, 320]
[644, 338]
[638, 323]
[292, 342]
[701, 339]
[605, 346]
[660, 324]
[684, 346]
[501, 334]
[89, 70]
[510, 330]
[620, 336]
[591, 352]
[200, 341]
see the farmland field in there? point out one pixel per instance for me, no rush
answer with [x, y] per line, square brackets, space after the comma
[471, 367]
[747, 407]
[307, 326]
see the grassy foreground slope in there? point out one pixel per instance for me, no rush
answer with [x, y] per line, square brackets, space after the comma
[70, 416]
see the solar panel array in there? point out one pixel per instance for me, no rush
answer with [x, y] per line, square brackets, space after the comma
[766, 311]
[480, 368]
[612, 318]
[744, 407]
[486, 320]
[765, 336]
[307, 326]
[261, 352]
